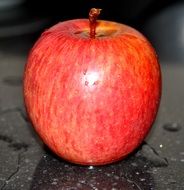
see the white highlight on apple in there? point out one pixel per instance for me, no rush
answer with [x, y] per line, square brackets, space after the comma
[90, 78]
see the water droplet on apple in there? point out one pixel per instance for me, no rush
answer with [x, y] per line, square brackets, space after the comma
[85, 71]
[96, 82]
[172, 127]
[86, 83]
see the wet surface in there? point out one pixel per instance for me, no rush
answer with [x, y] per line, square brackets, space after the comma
[152, 156]
[25, 158]
[26, 164]
[172, 127]
[53, 173]
[13, 80]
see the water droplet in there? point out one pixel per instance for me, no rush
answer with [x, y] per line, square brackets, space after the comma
[154, 170]
[29, 178]
[85, 71]
[137, 173]
[44, 171]
[27, 160]
[96, 82]
[79, 185]
[178, 142]
[86, 83]
[90, 167]
[134, 164]
[182, 160]
[151, 155]
[172, 127]
[173, 159]
[115, 184]
[2, 119]
[116, 177]
[13, 80]
[182, 153]
[54, 183]
[172, 181]
[82, 181]
[161, 145]
[142, 179]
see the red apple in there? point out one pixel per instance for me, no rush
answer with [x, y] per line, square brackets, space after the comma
[94, 99]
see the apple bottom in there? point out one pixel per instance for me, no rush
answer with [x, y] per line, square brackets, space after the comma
[95, 153]
[95, 144]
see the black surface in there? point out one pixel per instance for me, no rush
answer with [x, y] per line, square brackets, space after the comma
[26, 164]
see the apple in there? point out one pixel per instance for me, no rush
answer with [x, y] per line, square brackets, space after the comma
[92, 89]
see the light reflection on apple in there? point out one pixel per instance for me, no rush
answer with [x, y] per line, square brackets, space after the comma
[91, 78]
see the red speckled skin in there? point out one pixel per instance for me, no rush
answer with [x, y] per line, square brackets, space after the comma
[92, 101]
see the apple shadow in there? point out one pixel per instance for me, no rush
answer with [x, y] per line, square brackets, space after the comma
[132, 173]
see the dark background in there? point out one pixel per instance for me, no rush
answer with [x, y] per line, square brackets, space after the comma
[161, 21]
[133, 12]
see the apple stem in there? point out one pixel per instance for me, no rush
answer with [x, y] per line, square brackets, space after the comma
[93, 15]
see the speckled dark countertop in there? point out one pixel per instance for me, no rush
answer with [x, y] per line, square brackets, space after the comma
[26, 164]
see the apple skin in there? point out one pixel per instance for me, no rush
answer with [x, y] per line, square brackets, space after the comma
[92, 101]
